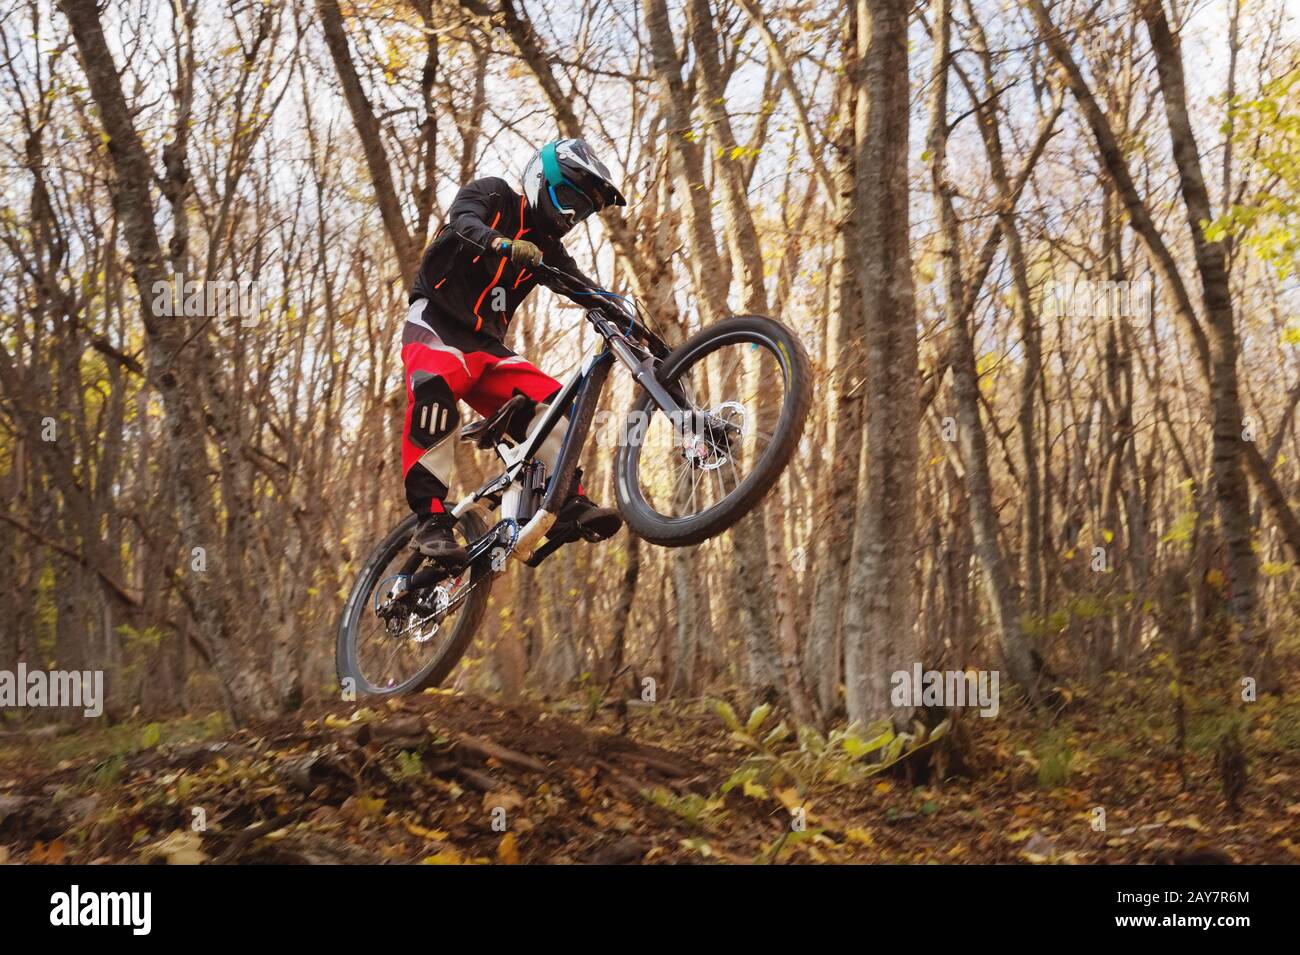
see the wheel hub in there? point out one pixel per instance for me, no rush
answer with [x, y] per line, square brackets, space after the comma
[710, 449]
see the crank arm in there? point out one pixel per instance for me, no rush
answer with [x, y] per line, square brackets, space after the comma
[504, 534]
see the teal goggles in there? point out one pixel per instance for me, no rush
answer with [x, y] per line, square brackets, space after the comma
[567, 197]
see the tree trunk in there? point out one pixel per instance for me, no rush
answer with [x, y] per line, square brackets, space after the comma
[1211, 262]
[879, 618]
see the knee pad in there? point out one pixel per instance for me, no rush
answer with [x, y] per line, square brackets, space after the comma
[434, 415]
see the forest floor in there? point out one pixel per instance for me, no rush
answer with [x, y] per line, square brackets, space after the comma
[440, 777]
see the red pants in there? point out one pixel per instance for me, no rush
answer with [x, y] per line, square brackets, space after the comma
[444, 363]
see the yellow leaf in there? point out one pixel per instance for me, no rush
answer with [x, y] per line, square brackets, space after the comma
[507, 850]
[447, 856]
[434, 835]
[859, 835]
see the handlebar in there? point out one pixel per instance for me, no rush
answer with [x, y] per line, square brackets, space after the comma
[560, 281]
[572, 287]
[601, 300]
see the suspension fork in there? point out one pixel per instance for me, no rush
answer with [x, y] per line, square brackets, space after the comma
[643, 372]
[670, 399]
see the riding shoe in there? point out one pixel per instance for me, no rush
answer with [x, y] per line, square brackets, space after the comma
[434, 539]
[592, 522]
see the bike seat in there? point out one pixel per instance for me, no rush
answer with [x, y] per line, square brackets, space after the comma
[486, 432]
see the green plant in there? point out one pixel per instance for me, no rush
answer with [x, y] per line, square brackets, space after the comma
[701, 811]
[1055, 756]
[408, 764]
[107, 772]
[593, 695]
[806, 757]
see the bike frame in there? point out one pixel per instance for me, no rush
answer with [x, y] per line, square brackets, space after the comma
[577, 398]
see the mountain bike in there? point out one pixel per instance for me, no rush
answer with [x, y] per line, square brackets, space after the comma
[713, 424]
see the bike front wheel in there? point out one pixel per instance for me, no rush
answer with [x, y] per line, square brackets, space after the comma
[745, 385]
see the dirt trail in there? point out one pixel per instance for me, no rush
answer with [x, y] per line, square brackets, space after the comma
[444, 778]
[432, 777]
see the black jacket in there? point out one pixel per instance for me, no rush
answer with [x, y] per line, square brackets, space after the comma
[460, 273]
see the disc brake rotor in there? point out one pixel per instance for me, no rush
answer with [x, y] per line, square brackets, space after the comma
[704, 451]
[421, 623]
[427, 626]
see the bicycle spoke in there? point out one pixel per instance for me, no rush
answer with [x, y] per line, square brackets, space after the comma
[398, 646]
[747, 387]
[389, 653]
[735, 477]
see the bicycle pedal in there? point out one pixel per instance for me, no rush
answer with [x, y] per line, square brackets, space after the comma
[545, 551]
[600, 529]
[563, 534]
[432, 573]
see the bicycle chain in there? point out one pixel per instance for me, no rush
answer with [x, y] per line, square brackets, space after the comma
[492, 572]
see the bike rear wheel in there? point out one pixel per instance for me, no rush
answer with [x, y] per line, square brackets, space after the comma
[388, 646]
[747, 385]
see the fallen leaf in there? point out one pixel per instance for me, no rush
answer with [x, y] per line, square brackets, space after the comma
[448, 856]
[502, 799]
[48, 855]
[183, 847]
[434, 835]
[1040, 846]
[789, 797]
[859, 835]
[508, 850]
[612, 821]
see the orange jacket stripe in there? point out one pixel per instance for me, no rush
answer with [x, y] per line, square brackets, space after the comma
[500, 267]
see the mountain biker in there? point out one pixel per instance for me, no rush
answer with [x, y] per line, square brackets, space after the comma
[473, 276]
